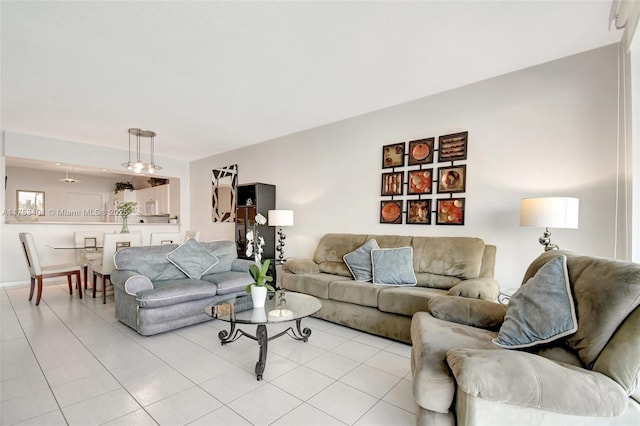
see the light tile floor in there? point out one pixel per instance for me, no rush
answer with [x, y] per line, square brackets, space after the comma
[69, 361]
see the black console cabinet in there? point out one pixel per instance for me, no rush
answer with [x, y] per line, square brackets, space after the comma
[254, 198]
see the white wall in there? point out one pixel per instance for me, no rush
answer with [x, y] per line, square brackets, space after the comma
[549, 130]
[633, 207]
[12, 264]
[57, 193]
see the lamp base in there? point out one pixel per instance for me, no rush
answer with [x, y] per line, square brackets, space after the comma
[280, 246]
[545, 240]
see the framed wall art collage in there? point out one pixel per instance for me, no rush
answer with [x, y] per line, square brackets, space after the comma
[412, 176]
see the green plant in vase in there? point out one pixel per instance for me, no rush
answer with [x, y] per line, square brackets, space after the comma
[258, 270]
[125, 209]
[260, 276]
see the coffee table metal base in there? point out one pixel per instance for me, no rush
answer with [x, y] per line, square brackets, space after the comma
[262, 337]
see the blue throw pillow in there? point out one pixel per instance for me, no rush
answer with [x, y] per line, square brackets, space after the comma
[192, 259]
[393, 266]
[359, 261]
[541, 311]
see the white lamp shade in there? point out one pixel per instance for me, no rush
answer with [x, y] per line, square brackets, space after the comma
[550, 212]
[280, 217]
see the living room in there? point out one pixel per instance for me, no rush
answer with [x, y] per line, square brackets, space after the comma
[551, 127]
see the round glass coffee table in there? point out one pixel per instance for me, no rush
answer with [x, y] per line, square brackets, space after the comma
[279, 307]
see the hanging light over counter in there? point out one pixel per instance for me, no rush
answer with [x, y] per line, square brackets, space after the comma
[138, 166]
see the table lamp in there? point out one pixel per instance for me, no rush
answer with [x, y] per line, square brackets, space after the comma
[549, 212]
[280, 218]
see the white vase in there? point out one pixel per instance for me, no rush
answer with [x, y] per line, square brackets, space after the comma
[258, 296]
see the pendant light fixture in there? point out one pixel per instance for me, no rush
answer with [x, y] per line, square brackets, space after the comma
[69, 179]
[138, 166]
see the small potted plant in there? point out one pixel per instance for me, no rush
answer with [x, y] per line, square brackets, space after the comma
[121, 186]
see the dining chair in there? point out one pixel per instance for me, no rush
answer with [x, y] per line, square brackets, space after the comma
[112, 243]
[88, 246]
[39, 272]
[158, 238]
[192, 234]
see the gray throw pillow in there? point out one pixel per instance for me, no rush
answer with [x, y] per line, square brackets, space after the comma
[541, 311]
[359, 261]
[393, 266]
[192, 258]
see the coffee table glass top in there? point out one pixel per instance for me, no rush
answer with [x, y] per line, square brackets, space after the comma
[292, 306]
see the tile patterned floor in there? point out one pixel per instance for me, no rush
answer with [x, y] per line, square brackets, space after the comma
[70, 362]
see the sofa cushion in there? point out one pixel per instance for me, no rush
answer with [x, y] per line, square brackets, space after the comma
[331, 250]
[359, 261]
[192, 258]
[473, 312]
[433, 383]
[230, 282]
[541, 383]
[406, 300]
[541, 311]
[149, 261]
[171, 292]
[359, 293]
[619, 359]
[301, 266]
[226, 253]
[391, 241]
[606, 291]
[393, 266]
[314, 284]
[479, 288]
[444, 282]
[452, 256]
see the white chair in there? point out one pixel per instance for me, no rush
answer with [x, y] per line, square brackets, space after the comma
[39, 272]
[112, 243]
[88, 246]
[158, 238]
[192, 234]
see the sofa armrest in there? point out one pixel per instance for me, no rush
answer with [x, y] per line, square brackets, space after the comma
[131, 282]
[301, 266]
[473, 312]
[241, 265]
[525, 379]
[477, 288]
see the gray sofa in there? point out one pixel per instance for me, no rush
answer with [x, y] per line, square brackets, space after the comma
[152, 295]
[458, 266]
[588, 375]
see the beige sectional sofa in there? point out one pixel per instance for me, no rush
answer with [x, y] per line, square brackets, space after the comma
[460, 266]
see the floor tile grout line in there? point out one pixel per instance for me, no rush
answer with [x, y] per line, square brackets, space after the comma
[55, 398]
[94, 356]
[192, 339]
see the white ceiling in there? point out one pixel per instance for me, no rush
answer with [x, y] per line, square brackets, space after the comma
[211, 76]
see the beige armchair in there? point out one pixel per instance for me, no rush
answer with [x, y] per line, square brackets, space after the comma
[588, 376]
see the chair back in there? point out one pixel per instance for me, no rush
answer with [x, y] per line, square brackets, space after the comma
[30, 253]
[158, 238]
[88, 246]
[192, 234]
[88, 239]
[113, 243]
